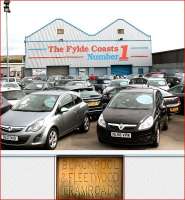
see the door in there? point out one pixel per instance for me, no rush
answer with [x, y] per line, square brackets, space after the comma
[66, 120]
[57, 70]
[100, 71]
[140, 71]
[121, 70]
[78, 110]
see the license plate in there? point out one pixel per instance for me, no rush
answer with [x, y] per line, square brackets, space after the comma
[9, 137]
[93, 103]
[122, 135]
[174, 109]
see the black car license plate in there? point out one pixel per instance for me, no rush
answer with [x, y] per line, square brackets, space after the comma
[122, 135]
[176, 109]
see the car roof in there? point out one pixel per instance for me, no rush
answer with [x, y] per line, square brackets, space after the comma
[55, 92]
[156, 78]
[135, 90]
[38, 81]
[6, 83]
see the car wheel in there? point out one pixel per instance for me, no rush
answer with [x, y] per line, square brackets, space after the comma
[84, 128]
[52, 139]
[100, 140]
[157, 137]
[165, 125]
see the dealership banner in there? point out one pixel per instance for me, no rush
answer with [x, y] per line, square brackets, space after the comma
[88, 54]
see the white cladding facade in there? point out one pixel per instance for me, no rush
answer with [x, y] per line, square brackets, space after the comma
[106, 52]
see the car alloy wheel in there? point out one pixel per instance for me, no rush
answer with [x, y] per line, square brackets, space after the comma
[52, 139]
[85, 125]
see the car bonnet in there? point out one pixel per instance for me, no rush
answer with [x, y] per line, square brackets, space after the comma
[21, 119]
[126, 116]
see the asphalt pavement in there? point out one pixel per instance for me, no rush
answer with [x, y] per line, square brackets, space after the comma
[172, 139]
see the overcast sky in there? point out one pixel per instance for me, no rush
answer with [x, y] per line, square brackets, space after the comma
[164, 21]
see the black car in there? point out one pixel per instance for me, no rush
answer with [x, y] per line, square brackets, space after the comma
[4, 105]
[94, 102]
[37, 86]
[25, 81]
[78, 83]
[138, 80]
[112, 91]
[178, 91]
[172, 81]
[100, 84]
[133, 117]
[90, 96]
[61, 82]
[13, 96]
[171, 101]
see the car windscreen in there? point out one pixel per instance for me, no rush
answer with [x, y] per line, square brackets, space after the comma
[36, 103]
[61, 82]
[13, 95]
[71, 83]
[138, 81]
[103, 81]
[12, 80]
[157, 83]
[89, 94]
[128, 100]
[4, 80]
[165, 93]
[27, 81]
[12, 85]
[117, 82]
[34, 86]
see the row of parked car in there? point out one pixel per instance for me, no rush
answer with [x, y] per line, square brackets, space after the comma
[128, 111]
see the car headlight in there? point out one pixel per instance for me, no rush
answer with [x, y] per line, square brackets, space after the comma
[35, 126]
[101, 121]
[147, 123]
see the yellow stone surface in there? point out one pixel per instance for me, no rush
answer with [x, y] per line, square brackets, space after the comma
[90, 178]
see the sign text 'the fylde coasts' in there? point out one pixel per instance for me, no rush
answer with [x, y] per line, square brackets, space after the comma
[90, 178]
[94, 52]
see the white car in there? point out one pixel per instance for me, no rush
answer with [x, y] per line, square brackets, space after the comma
[10, 79]
[158, 82]
[5, 86]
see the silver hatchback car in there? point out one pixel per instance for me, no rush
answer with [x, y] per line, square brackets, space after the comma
[42, 117]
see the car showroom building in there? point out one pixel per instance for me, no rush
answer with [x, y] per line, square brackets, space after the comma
[59, 48]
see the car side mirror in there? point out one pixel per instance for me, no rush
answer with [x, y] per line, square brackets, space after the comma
[162, 107]
[63, 110]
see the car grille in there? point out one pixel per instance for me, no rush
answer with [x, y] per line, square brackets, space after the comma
[11, 129]
[121, 127]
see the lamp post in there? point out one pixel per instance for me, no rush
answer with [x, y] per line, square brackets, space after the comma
[7, 10]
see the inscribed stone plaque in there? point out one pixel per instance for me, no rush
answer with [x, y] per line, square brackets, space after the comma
[90, 178]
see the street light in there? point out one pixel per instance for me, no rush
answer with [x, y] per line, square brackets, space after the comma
[7, 10]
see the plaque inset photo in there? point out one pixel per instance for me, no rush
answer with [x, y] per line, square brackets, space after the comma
[90, 178]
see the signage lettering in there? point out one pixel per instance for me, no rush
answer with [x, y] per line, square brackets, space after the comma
[92, 52]
[124, 52]
[53, 49]
[90, 178]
